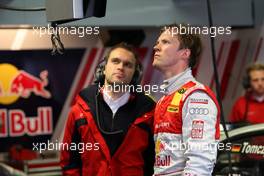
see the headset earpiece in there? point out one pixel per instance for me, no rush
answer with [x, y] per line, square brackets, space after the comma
[246, 82]
[99, 76]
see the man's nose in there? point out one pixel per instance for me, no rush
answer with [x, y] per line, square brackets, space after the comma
[261, 82]
[120, 66]
[156, 48]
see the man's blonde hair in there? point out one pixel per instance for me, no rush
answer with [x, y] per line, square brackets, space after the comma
[187, 41]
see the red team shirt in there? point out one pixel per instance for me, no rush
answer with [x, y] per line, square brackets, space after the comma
[255, 112]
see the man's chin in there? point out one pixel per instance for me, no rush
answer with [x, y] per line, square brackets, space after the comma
[156, 66]
[119, 82]
[156, 63]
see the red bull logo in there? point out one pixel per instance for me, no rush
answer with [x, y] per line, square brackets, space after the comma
[18, 83]
[14, 84]
[15, 123]
[161, 158]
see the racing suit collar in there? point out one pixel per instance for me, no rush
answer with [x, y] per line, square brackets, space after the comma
[174, 83]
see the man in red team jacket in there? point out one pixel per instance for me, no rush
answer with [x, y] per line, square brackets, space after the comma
[249, 108]
[115, 125]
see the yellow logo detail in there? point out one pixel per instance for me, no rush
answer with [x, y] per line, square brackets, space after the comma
[173, 109]
[7, 73]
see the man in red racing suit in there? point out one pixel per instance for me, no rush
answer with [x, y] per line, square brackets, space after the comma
[186, 119]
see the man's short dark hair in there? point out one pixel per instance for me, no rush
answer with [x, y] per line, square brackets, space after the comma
[125, 46]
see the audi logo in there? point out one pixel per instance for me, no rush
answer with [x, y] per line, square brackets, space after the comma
[199, 111]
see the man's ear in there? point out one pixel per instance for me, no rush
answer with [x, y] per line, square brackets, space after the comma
[186, 53]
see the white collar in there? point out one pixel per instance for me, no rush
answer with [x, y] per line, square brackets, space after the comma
[259, 98]
[117, 103]
[172, 84]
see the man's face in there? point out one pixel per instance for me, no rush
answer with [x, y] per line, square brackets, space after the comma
[167, 52]
[257, 81]
[120, 67]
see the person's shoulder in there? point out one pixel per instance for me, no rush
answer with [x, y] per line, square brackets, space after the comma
[144, 99]
[241, 99]
[201, 99]
[205, 87]
[88, 93]
[89, 90]
[92, 87]
[142, 104]
[201, 94]
[200, 89]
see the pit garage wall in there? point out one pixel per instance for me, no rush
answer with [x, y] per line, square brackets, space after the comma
[233, 53]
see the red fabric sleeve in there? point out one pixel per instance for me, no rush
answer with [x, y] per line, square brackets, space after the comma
[71, 165]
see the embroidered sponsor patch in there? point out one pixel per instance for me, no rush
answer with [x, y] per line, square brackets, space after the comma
[197, 129]
[199, 101]
[199, 111]
[162, 125]
[182, 90]
[173, 108]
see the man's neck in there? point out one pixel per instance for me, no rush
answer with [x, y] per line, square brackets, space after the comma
[174, 70]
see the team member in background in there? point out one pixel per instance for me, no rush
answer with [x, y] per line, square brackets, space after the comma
[186, 119]
[117, 124]
[249, 108]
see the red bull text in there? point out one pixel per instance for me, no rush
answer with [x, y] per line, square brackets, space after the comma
[15, 123]
[163, 160]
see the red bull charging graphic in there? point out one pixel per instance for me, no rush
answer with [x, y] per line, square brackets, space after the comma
[24, 83]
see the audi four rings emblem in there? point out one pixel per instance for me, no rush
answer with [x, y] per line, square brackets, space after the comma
[199, 111]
